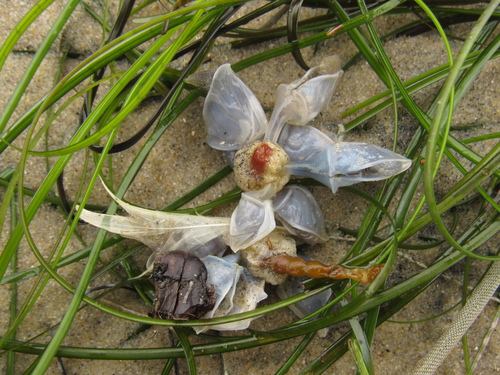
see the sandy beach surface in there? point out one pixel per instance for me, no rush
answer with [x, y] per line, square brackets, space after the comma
[182, 159]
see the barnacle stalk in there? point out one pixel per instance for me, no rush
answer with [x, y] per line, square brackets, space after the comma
[298, 267]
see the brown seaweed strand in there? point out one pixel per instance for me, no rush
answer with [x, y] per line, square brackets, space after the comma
[298, 267]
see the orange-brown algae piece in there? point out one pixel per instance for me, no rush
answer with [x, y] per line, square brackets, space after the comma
[298, 267]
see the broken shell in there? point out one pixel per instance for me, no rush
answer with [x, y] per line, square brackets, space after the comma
[182, 292]
[224, 274]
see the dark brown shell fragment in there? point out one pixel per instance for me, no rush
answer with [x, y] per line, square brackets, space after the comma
[181, 287]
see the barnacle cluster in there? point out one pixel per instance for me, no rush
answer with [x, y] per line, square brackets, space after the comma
[270, 214]
[260, 164]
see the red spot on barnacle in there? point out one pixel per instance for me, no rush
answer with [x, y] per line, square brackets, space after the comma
[260, 158]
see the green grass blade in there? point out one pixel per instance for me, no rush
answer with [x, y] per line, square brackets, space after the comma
[37, 59]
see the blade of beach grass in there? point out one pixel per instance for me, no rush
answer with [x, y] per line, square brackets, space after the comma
[438, 124]
[238, 344]
[347, 26]
[362, 336]
[187, 348]
[79, 136]
[407, 101]
[85, 69]
[22, 85]
[10, 367]
[364, 236]
[21, 27]
[37, 199]
[9, 44]
[4, 254]
[135, 96]
[66, 322]
[370, 303]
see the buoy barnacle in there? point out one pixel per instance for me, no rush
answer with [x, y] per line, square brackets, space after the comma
[259, 164]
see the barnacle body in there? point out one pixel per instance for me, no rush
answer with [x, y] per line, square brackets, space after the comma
[259, 164]
[277, 243]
